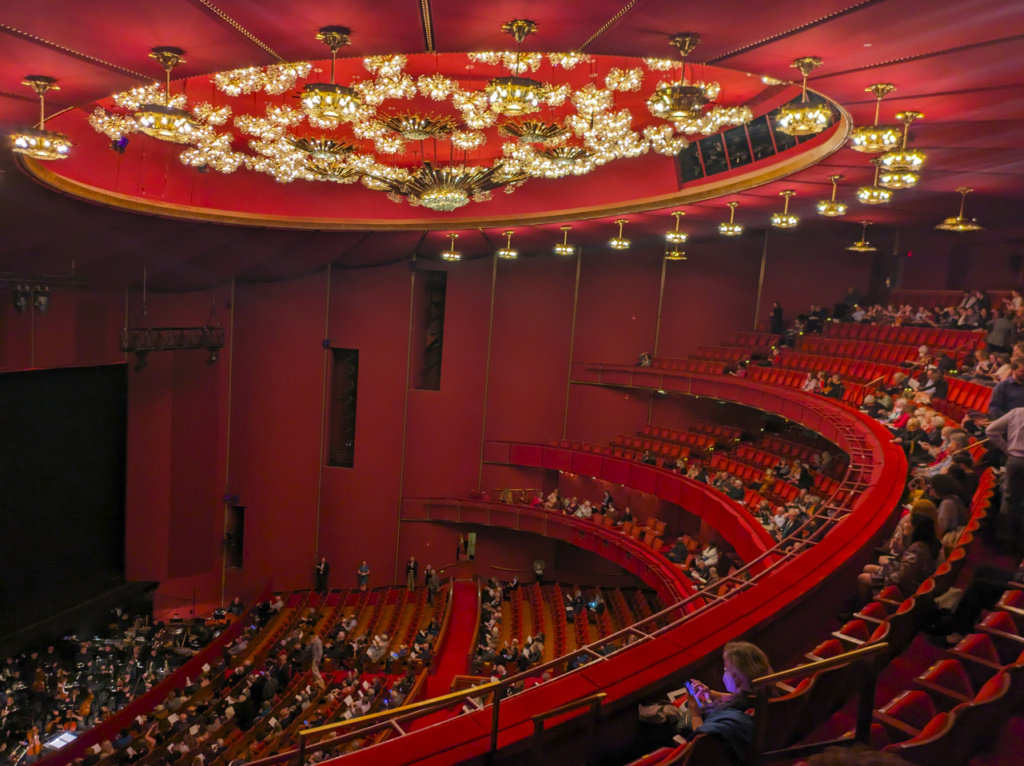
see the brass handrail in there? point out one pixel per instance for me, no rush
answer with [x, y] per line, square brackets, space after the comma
[803, 671]
[567, 707]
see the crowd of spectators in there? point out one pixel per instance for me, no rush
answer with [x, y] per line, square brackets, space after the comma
[502, 658]
[79, 681]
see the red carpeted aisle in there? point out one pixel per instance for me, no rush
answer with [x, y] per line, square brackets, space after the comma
[462, 630]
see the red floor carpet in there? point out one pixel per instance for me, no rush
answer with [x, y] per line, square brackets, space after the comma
[461, 633]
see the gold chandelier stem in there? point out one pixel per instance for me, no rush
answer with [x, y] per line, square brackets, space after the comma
[963, 199]
[834, 186]
[906, 130]
[334, 56]
[167, 92]
[42, 110]
[803, 99]
[878, 110]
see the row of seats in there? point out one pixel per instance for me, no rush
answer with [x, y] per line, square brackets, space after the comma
[912, 336]
[556, 600]
[720, 432]
[729, 354]
[751, 339]
[890, 353]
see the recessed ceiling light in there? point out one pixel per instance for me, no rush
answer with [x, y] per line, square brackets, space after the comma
[867, 45]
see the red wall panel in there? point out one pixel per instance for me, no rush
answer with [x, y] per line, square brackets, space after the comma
[369, 312]
[276, 408]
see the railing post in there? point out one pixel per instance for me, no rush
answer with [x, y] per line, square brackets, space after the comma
[757, 742]
[495, 712]
[866, 703]
[302, 750]
[595, 713]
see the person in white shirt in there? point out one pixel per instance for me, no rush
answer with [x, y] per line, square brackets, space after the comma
[710, 555]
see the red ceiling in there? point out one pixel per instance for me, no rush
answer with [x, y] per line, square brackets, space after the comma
[958, 62]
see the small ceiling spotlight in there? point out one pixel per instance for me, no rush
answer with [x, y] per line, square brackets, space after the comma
[214, 356]
[563, 247]
[141, 360]
[619, 242]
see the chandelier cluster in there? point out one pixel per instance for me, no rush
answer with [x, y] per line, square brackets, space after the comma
[805, 119]
[345, 132]
[683, 103]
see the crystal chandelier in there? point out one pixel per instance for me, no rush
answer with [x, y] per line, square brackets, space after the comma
[904, 159]
[451, 254]
[163, 121]
[514, 95]
[862, 245]
[322, 148]
[676, 237]
[619, 242]
[874, 194]
[563, 247]
[785, 219]
[534, 132]
[327, 104]
[872, 139]
[415, 127]
[39, 143]
[731, 229]
[508, 251]
[958, 222]
[805, 119]
[683, 103]
[831, 208]
[447, 188]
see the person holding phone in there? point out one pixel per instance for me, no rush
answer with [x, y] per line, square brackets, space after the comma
[727, 715]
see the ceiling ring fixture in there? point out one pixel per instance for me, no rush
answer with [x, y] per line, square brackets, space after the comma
[165, 122]
[731, 229]
[805, 119]
[874, 139]
[676, 237]
[785, 219]
[862, 245]
[874, 194]
[37, 142]
[958, 223]
[619, 242]
[832, 208]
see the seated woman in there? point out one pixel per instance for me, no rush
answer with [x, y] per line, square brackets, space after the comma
[915, 564]
[900, 414]
[554, 500]
[810, 384]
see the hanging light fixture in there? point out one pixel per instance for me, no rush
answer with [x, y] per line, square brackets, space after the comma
[563, 247]
[898, 179]
[329, 103]
[619, 242]
[805, 119]
[862, 245]
[39, 143]
[785, 219]
[163, 121]
[514, 95]
[676, 237]
[451, 254]
[534, 131]
[831, 208]
[958, 222]
[683, 102]
[416, 127]
[731, 229]
[675, 254]
[904, 159]
[874, 194]
[507, 251]
[872, 139]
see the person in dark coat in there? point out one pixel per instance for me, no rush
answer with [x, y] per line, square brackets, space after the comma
[775, 324]
[322, 570]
